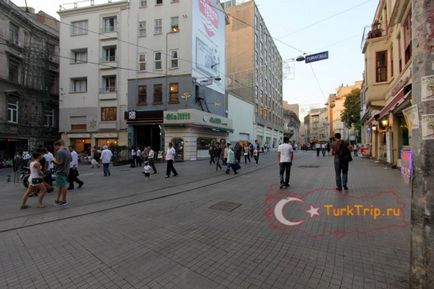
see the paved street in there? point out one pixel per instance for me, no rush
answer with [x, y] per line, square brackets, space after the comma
[123, 232]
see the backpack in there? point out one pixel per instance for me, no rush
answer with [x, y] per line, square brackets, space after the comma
[344, 153]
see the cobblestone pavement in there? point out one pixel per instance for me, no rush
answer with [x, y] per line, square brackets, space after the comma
[122, 232]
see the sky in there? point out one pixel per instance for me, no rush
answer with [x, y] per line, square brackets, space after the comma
[303, 26]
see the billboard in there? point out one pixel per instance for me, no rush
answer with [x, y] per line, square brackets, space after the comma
[208, 53]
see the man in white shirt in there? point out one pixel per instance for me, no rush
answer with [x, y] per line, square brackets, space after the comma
[151, 159]
[73, 170]
[285, 155]
[106, 157]
[170, 158]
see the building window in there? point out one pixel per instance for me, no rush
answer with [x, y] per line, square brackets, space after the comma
[14, 34]
[79, 27]
[158, 2]
[174, 59]
[14, 70]
[13, 111]
[49, 117]
[142, 95]
[142, 28]
[157, 60]
[174, 24]
[174, 93]
[158, 94]
[108, 113]
[143, 3]
[158, 27]
[79, 56]
[109, 54]
[391, 61]
[381, 66]
[142, 62]
[407, 38]
[109, 83]
[79, 126]
[109, 24]
[78, 85]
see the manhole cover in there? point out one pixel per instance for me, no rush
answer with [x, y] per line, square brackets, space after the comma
[225, 206]
[309, 166]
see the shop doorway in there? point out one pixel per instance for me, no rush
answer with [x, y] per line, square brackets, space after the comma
[82, 145]
[178, 144]
[149, 135]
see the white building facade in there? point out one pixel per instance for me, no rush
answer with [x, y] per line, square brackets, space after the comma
[243, 114]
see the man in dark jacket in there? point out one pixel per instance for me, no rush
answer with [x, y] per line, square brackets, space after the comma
[342, 155]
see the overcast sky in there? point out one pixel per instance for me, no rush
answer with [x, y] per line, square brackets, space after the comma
[308, 26]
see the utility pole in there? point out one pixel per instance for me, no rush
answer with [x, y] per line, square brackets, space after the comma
[422, 143]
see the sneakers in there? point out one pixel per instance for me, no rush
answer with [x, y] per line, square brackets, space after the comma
[345, 188]
[60, 203]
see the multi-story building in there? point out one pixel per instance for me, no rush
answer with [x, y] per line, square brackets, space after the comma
[335, 107]
[292, 122]
[316, 126]
[386, 92]
[28, 79]
[94, 47]
[145, 73]
[254, 69]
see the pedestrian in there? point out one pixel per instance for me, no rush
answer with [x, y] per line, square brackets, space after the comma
[318, 148]
[106, 157]
[231, 161]
[211, 154]
[133, 157]
[96, 157]
[62, 162]
[147, 171]
[73, 170]
[49, 166]
[238, 151]
[170, 158]
[342, 156]
[36, 185]
[323, 149]
[285, 155]
[256, 151]
[139, 157]
[217, 156]
[151, 159]
[246, 151]
[328, 148]
[225, 155]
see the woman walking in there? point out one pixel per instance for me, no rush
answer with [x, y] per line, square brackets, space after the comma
[37, 182]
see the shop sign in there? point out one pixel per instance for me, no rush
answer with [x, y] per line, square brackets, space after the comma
[215, 120]
[428, 127]
[427, 88]
[178, 116]
[406, 164]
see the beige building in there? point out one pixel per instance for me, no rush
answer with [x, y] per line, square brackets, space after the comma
[335, 107]
[254, 69]
[386, 91]
[316, 125]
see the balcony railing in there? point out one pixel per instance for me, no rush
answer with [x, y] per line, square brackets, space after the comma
[371, 32]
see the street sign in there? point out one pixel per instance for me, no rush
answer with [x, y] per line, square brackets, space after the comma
[317, 57]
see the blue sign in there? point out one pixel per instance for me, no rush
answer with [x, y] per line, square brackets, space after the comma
[316, 57]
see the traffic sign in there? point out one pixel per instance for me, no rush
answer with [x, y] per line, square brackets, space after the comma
[316, 57]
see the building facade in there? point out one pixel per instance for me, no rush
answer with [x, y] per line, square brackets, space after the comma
[292, 122]
[254, 69]
[28, 80]
[243, 126]
[316, 125]
[93, 74]
[386, 93]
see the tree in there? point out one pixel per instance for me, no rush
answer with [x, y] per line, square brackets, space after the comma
[350, 116]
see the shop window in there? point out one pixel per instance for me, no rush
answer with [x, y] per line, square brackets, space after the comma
[100, 142]
[108, 114]
[381, 66]
[158, 94]
[142, 95]
[174, 93]
[204, 143]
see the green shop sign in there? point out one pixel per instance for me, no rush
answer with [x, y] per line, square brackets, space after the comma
[215, 120]
[178, 116]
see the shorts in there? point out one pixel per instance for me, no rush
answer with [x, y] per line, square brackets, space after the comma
[147, 175]
[61, 180]
[36, 181]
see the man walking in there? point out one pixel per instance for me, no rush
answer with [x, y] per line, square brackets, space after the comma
[151, 159]
[106, 157]
[170, 158]
[318, 148]
[285, 155]
[342, 152]
[62, 162]
[73, 170]
[256, 151]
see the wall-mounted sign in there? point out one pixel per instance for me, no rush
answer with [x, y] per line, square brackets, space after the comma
[427, 83]
[411, 117]
[132, 115]
[428, 126]
[178, 116]
[197, 117]
[316, 57]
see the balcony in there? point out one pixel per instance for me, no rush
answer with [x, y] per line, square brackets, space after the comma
[107, 93]
[375, 31]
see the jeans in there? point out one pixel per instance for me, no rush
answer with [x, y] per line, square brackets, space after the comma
[285, 167]
[341, 167]
[106, 169]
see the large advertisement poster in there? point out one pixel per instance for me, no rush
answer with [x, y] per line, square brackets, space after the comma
[209, 43]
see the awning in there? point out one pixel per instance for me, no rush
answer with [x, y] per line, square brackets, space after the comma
[398, 99]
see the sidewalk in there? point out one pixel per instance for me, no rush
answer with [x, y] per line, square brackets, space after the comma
[174, 239]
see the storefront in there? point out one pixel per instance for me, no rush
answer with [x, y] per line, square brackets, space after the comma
[145, 128]
[83, 142]
[192, 132]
